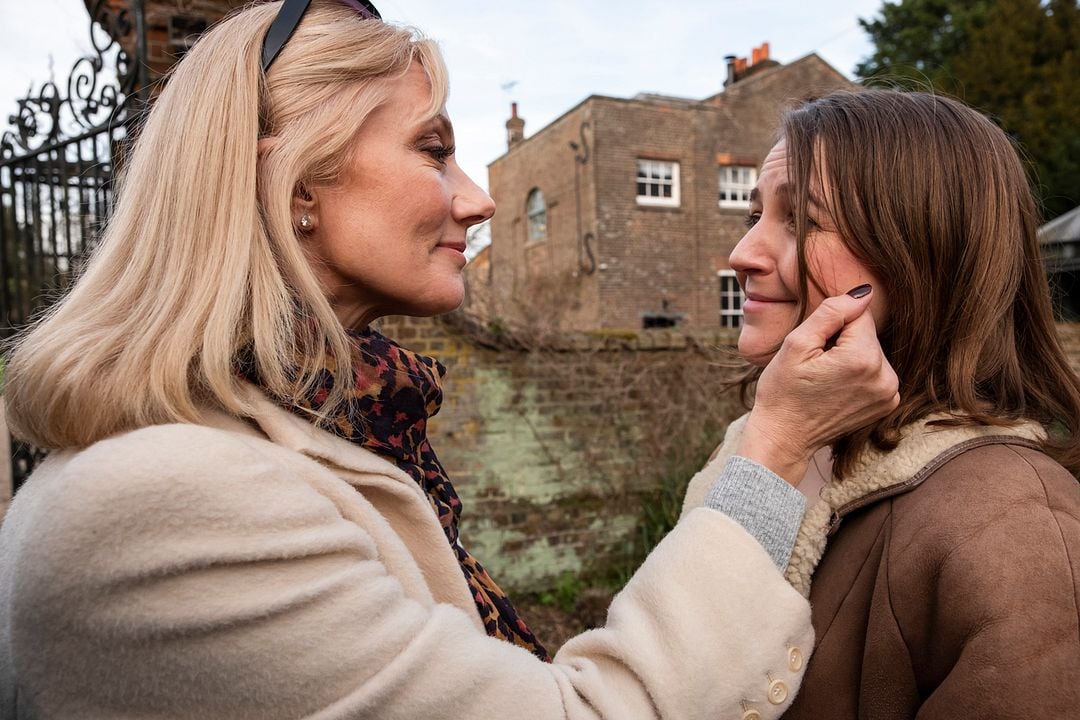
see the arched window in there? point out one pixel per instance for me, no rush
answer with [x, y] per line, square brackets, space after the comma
[536, 211]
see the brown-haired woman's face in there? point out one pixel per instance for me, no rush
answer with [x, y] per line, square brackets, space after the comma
[766, 262]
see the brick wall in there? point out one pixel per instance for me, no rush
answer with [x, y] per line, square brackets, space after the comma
[658, 254]
[555, 451]
[171, 26]
[1069, 333]
[541, 283]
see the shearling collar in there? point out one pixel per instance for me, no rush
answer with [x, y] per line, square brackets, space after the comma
[874, 472]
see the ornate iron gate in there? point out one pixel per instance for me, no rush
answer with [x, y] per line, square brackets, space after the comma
[57, 164]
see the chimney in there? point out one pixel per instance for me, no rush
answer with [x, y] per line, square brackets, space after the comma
[730, 61]
[515, 127]
[738, 67]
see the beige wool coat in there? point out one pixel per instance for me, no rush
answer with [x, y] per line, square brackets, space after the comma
[267, 569]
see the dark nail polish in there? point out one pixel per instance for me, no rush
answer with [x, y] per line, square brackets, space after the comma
[860, 291]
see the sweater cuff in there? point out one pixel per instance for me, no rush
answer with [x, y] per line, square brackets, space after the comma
[765, 504]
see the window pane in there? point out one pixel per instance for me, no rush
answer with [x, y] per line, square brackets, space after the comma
[656, 182]
[535, 202]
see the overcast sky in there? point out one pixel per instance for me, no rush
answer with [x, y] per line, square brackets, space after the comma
[546, 56]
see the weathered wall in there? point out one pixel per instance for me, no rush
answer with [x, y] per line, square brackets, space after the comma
[559, 453]
[1069, 333]
[555, 451]
[539, 282]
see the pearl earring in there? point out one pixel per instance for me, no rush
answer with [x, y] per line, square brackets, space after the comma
[305, 222]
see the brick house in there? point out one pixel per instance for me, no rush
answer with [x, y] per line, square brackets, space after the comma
[621, 213]
[172, 26]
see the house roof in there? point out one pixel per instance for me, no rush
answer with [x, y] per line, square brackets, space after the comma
[754, 81]
[1063, 228]
[713, 102]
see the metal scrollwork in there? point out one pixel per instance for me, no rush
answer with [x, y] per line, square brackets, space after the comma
[588, 265]
[586, 259]
[95, 95]
[582, 157]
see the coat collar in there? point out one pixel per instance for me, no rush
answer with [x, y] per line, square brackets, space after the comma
[391, 490]
[291, 431]
[879, 474]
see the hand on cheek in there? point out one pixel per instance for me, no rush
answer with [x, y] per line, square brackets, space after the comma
[829, 378]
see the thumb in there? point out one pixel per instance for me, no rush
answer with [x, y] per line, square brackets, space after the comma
[860, 332]
[830, 317]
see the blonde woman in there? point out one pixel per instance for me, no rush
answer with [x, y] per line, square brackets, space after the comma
[241, 516]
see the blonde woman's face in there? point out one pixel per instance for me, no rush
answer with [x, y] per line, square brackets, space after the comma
[766, 262]
[389, 238]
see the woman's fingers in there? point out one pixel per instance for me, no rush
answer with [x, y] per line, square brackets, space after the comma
[829, 319]
[829, 378]
[857, 349]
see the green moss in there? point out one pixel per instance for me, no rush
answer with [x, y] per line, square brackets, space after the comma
[564, 593]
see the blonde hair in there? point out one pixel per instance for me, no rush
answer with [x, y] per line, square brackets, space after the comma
[201, 261]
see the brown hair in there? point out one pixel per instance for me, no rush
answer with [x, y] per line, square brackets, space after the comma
[932, 197]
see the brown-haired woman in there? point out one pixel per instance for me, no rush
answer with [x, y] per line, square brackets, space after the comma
[941, 551]
[242, 517]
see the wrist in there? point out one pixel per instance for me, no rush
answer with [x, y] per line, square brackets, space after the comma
[782, 456]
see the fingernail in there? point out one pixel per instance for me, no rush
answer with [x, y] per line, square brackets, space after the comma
[860, 291]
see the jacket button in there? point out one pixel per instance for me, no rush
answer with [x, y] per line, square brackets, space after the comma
[778, 692]
[794, 659]
[751, 715]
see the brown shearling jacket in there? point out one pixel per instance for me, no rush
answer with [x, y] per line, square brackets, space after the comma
[955, 597]
[950, 585]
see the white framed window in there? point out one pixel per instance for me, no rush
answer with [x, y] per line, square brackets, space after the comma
[657, 183]
[736, 182]
[731, 299]
[536, 212]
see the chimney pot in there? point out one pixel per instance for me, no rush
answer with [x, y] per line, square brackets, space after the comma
[515, 127]
[729, 60]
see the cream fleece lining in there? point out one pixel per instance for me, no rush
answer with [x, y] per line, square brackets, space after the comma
[874, 470]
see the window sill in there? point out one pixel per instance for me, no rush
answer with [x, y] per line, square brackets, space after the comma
[657, 202]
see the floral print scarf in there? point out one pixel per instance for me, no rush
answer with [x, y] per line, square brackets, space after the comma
[397, 390]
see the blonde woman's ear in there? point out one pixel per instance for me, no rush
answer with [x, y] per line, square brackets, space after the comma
[266, 144]
[303, 208]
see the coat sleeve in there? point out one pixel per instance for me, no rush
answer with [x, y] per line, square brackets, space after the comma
[996, 631]
[182, 575]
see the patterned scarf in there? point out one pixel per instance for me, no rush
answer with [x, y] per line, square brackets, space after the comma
[396, 392]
